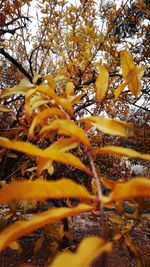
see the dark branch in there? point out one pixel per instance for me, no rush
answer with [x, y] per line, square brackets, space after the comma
[11, 31]
[140, 107]
[85, 105]
[14, 20]
[30, 59]
[16, 64]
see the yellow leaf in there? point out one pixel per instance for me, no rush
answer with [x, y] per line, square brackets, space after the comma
[41, 189]
[63, 145]
[119, 90]
[107, 182]
[127, 63]
[38, 244]
[65, 103]
[70, 89]
[53, 155]
[116, 218]
[134, 76]
[54, 249]
[27, 103]
[51, 81]
[121, 151]
[89, 249]
[117, 236]
[43, 115]
[21, 88]
[75, 99]
[21, 228]
[50, 169]
[67, 127]
[136, 187]
[132, 245]
[108, 126]
[53, 229]
[15, 245]
[101, 82]
[38, 104]
[44, 164]
[4, 108]
[131, 73]
[35, 78]
[93, 185]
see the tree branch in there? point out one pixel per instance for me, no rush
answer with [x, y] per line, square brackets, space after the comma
[16, 64]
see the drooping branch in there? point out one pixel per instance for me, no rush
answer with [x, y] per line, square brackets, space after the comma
[15, 63]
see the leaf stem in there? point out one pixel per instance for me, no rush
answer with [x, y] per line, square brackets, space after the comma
[99, 196]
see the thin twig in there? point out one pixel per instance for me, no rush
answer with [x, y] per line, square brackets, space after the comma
[99, 196]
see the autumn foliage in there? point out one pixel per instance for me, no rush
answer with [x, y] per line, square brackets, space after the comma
[71, 88]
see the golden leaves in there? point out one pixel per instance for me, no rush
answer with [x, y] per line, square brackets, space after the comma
[121, 151]
[132, 75]
[21, 88]
[67, 127]
[136, 187]
[108, 126]
[50, 80]
[101, 82]
[62, 145]
[70, 89]
[89, 249]
[43, 115]
[116, 219]
[64, 102]
[21, 228]
[40, 190]
[51, 154]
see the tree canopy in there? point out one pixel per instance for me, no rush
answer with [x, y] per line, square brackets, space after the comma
[74, 93]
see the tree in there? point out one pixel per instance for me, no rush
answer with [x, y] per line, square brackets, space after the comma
[73, 72]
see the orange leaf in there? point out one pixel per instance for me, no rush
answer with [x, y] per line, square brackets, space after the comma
[121, 151]
[65, 103]
[67, 127]
[41, 189]
[108, 126]
[21, 228]
[63, 145]
[108, 183]
[45, 114]
[136, 187]
[54, 155]
[89, 249]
